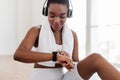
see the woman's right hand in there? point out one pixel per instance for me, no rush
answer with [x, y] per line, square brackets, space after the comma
[64, 59]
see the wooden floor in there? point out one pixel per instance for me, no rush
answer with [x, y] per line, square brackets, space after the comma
[13, 70]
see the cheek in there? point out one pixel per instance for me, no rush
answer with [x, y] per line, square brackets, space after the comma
[63, 21]
[50, 20]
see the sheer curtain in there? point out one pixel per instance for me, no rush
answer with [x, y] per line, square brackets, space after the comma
[105, 36]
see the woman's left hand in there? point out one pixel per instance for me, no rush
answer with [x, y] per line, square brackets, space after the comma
[64, 53]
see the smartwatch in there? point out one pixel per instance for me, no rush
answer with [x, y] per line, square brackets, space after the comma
[54, 56]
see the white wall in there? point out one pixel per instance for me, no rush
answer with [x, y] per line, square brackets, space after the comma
[16, 18]
[7, 26]
[37, 17]
[24, 16]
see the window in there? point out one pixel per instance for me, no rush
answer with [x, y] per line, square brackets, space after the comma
[105, 37]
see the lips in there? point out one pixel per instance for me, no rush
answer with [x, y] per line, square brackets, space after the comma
[56, 25]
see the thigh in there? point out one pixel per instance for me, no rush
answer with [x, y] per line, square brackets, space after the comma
[87, 66]
[96, 63]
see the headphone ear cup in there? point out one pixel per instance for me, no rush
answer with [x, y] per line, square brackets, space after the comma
[69, 14]
[44, 11]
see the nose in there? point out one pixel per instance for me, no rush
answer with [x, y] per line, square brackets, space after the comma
[57, 20]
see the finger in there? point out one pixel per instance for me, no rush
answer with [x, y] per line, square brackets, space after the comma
[64, 64]
[65, 54]
[68, 67]
[62, 52]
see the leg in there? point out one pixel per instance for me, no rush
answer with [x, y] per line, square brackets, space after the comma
[96, 63]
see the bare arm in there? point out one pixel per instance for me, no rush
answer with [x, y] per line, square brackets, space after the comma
[24, 53]
[75, 55]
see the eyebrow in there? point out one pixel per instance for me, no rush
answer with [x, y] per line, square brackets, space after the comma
[54, 13]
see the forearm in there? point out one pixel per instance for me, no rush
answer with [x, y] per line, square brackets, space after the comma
[32, 56]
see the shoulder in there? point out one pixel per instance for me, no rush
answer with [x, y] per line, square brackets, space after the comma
[34, 30]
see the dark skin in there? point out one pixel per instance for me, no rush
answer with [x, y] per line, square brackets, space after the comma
[96, 63]
[57, 18]
[57, 14]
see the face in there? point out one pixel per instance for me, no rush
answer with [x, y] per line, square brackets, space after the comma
[57, 14]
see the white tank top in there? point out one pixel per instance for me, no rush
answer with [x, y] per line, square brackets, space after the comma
[51, 63]
[59, 47]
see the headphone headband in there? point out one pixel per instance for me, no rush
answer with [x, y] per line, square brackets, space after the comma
[45, 9]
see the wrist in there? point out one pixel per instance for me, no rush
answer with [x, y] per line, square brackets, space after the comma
[54, 56]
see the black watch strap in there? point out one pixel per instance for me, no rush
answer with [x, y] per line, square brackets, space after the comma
[54, 57]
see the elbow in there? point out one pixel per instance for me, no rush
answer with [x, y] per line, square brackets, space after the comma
[75, 60]
[21, 58]
[16, 57]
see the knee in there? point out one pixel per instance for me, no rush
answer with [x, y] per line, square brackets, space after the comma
[97, 59]
[88, 66]
[96, 56]
[93, 59]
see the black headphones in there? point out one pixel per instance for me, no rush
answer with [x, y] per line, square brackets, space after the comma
[45, 10]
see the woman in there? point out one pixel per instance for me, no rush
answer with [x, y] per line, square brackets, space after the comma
[57, 47]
